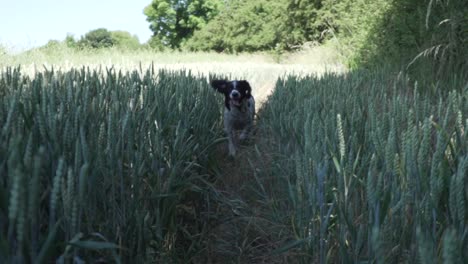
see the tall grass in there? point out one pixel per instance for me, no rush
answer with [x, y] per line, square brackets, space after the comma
[368, 169]
[95, 164]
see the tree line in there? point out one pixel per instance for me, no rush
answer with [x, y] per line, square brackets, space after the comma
[99, 38]
[235, 25]
[401, 32]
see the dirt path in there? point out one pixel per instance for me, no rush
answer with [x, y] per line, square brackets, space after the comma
[242, 232]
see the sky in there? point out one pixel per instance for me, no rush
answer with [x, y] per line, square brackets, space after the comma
[31, 23]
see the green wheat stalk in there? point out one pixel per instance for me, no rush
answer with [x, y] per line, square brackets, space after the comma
[55, 192]
[450, 247]
[424, 149]
[341, 139]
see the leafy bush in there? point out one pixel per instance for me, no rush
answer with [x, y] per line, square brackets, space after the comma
[102, 38]
[411, 34]
[124, 40]
[98, 38]
[70, 41]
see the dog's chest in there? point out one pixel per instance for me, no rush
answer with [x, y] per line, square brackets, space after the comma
[238, 117]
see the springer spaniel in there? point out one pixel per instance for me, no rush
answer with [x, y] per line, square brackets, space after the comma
[239, 110]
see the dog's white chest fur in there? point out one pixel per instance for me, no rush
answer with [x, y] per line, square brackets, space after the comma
[238, 118]
[239, 111]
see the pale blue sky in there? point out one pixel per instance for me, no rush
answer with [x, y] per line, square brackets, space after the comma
[31, 23]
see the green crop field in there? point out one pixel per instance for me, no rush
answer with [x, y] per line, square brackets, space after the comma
[368, 168]
[120, 158]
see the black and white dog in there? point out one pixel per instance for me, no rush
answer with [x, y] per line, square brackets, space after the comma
[239, 110]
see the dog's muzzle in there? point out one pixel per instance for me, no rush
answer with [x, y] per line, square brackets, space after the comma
[235, 98]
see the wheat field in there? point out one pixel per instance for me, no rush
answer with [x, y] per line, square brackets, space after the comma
[120, 157]
[261, 70]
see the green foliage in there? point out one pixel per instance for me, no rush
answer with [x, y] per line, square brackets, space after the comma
[350, 22]
[305, 21]
[174, 21]
[98, 38]
[70, 41]
[243, 26]
[102, 38]
[156, 44]
[401, 33]
[52, 46]
[124, 40]
[445, 40]
[3, 50]
[404, 34]
[262, 25]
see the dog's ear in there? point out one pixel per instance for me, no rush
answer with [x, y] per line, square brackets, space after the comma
[220, 85]
[246, 86]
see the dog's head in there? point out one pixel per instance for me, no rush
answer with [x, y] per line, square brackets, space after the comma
[234, 91]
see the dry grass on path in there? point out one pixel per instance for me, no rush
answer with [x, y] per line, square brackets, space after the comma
[243, 232]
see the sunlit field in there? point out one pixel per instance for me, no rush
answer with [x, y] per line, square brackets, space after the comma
[260, 69]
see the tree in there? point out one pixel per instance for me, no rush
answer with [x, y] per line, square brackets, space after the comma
[98, 38]
[244, 25]
[70, 41]
[305, 22]
[125, 40]
[52, 44]
[174, 21]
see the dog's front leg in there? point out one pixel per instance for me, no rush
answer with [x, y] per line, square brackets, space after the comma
[232, 146]
[245, 133]
[228, 129]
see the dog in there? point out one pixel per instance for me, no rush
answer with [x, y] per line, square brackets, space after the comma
[239, 110]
